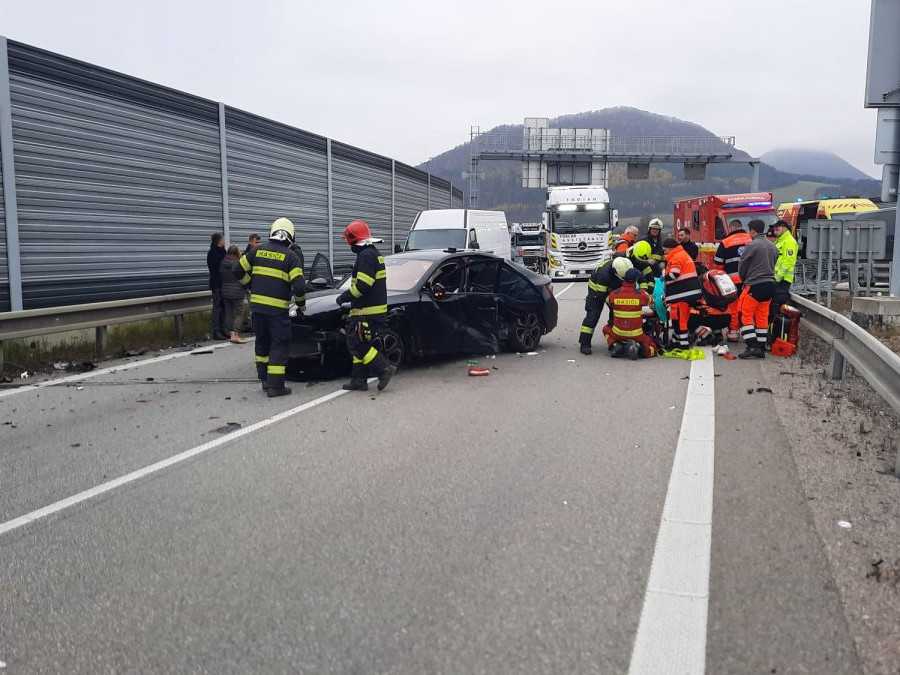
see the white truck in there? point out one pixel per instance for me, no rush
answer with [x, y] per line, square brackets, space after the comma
[578, 219]
[529, 246]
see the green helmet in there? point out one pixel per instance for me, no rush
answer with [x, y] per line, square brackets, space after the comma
[641, 251]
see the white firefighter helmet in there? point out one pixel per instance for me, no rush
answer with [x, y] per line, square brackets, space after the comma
[621, 266]
[282, 229]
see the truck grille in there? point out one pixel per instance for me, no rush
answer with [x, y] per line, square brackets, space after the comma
[594, 252]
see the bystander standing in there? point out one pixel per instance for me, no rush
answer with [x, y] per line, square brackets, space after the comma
[233, 295]
[214, 258]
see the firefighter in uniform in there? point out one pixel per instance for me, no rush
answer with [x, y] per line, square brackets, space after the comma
[784, 265]
[654, 238]
[367, 296]
[625, 333]
[273, 273]
[607, 277]
[641, 257]
[727, 258]
[682, 290]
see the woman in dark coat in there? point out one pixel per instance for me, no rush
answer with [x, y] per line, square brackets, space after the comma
[233, 294]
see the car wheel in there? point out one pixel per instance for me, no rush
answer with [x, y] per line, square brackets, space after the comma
[390, 344]
[525, 332]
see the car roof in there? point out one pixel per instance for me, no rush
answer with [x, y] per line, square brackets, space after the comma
[440, 254]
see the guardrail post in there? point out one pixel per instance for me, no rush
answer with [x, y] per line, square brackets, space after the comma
[179, 328]
[9, 184]
[101, 335]
[2, 362]
[838, 365]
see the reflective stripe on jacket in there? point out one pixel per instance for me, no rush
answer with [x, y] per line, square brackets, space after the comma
[625, 306]
[273, 273]
[787, 257]
[728, 254]
[682, 283]
[368, 284]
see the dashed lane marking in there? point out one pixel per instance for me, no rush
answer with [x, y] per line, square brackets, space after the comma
[103, 488]
[671, 636]
[559, 295]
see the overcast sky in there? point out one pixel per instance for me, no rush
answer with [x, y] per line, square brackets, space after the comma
[407, 79]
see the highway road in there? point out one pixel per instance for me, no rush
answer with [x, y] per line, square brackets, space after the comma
[566, 514]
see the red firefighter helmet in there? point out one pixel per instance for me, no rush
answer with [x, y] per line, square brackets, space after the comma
[356, 232]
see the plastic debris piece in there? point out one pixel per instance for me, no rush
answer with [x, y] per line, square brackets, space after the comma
[79, 388]
[531, 353]
[474, 371]
[75, 445]
[571, 361]
[203, 350]
[845, 524]
[671, 407]
[764, 390]
[228, 428]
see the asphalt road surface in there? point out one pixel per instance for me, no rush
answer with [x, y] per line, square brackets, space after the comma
[450, 524]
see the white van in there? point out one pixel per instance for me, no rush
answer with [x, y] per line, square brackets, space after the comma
[460, 229]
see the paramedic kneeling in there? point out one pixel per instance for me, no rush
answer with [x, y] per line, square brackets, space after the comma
[625, 333]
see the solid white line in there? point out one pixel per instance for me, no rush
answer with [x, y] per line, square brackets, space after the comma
[671, 636]
[103, 488]
[102, 371]
[565, 289]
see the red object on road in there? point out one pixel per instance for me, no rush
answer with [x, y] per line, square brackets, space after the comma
[479, 372]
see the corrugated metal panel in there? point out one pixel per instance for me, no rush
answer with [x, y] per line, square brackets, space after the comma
[411, 197]
[361, 188]
[4, 269]
[274, 171]
[440, 193]
[118, 182]
[458, 201]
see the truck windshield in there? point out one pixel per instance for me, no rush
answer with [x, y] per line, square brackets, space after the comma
[440, 239]
[580, 222]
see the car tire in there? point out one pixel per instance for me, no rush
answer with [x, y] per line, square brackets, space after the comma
[390, 344]
[525, 332]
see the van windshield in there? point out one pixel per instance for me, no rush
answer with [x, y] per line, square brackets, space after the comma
[439, 239]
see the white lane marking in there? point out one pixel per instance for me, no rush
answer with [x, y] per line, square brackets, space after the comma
[565, 289]
[671, 636]
[90, 493]
[102, 371]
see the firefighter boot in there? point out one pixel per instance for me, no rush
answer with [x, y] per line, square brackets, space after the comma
[632, 350]
[273, 392]
[752, 351]
[617, 349]
[357, 379]
[385, 371]
[585, 349]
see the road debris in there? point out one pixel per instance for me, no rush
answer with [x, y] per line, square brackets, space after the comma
[570, 361]
[845, 524]
[227, 428]
[202, 350]
[475, 371]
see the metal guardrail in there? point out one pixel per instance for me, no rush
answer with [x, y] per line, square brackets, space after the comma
[877, 364]
[101, 315]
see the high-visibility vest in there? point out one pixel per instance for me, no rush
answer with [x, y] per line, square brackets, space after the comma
[625, 305]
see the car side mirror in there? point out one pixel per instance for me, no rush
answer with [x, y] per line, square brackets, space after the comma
[319, 282]
[398, 248]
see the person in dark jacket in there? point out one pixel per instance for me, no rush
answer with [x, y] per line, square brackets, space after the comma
[273, 273]
[253, 241]
[367, 296]
[683, 237]
[757, 272]
[654, 238]
[214, 258]
[233, 294]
